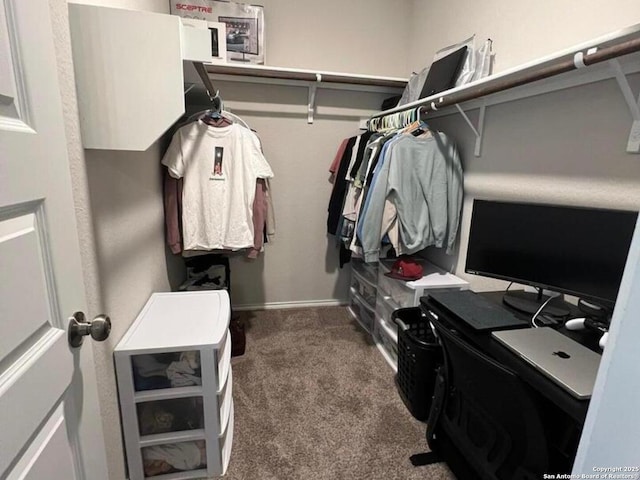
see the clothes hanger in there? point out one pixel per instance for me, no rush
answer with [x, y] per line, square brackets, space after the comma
[213, 117]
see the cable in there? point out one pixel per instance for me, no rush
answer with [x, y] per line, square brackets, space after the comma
[535, 315]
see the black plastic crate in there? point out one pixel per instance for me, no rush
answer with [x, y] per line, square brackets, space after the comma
[419, 355]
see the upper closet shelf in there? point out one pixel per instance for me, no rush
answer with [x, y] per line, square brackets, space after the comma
[313, 79]
[280, 75]
[615, 55]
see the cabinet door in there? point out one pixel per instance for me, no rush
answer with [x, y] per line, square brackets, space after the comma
[142, 95]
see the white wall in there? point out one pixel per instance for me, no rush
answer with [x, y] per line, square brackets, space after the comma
[302, 264]
[358, 36]
[565, 147]
[521, 30]
[545, 148]
[128, 219]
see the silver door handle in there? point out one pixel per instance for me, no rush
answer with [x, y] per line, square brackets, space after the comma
[99, 328]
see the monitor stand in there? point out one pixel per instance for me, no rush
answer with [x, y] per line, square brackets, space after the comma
[529, 302]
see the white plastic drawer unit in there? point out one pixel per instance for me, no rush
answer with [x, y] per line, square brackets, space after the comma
[174, 376]
[364, 288]
[385, 306]
[361, 311]
[407, 294]
[367, 270]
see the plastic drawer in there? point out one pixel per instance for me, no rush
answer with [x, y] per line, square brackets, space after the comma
[365, 289]
[369, 271]
[385, 306]
[160, 460]
[396, 290]
[170, 415]
[386, 343]
[387, 333]
[225, 399]
[166, 370]
[361, 311]
[224, 362]
[227, 441]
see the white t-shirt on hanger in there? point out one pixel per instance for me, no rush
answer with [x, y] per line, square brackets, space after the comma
[220, 167]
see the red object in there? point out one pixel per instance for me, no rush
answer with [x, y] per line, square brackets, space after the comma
[405, 268]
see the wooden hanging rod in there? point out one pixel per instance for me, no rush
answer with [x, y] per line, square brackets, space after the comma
[513, 79]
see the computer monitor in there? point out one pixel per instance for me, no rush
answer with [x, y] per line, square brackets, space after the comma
[578, 251]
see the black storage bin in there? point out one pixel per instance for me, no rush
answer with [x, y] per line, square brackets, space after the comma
[419, 355]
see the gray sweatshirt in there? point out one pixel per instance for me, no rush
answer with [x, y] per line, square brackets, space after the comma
[425, 184]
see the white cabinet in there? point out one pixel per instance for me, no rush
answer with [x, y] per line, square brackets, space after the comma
[175, 384]
[128, 72]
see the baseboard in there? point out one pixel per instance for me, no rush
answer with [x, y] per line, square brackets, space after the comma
[283, 305]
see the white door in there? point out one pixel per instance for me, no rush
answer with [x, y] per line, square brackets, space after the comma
[49, 418]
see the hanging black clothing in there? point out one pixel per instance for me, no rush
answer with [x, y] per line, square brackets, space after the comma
[364, 139]
[339, 189]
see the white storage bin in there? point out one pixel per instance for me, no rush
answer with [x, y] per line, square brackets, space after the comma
[407, 294]
[362, 312]
[175, 385]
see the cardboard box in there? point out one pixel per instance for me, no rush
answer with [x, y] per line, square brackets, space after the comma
[244, 34]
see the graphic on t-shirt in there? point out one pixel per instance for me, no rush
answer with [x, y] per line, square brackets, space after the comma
[217, 174]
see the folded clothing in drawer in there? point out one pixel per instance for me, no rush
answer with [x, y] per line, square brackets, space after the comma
[174, 457]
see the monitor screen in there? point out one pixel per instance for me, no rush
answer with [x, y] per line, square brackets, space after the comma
[579, 251]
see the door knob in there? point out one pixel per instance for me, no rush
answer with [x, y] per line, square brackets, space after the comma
[99, 328]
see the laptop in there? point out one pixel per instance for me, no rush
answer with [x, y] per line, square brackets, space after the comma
[566, 362]
[443, 73]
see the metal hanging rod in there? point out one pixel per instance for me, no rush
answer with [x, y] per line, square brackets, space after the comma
[511, 80]
[206, 80]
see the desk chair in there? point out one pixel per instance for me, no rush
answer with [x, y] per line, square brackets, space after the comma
[483, 422]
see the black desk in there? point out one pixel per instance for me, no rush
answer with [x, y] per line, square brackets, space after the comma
[563, 414]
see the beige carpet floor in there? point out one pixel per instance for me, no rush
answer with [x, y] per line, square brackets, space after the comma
[314, 399]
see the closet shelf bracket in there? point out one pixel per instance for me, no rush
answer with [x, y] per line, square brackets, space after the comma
[477, 131]
[313, 90]
[633, 146]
